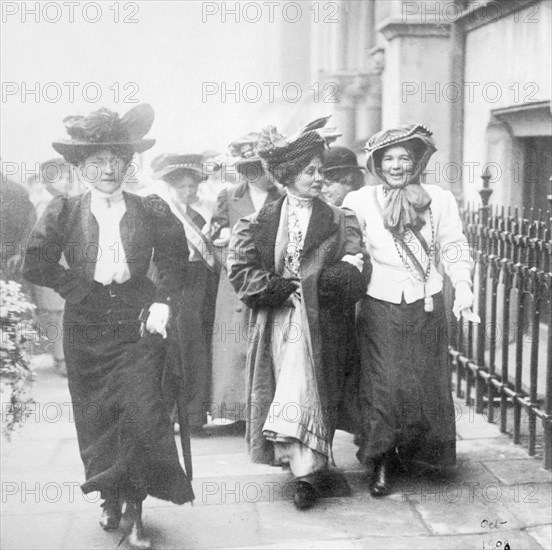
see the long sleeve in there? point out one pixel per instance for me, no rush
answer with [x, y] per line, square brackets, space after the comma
[170, 254]
[341, 282]
[256, 286]
[355, 245]
[453, 251]
[41, 264]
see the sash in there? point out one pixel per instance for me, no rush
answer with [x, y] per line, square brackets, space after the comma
[197, 239]
[416, 232]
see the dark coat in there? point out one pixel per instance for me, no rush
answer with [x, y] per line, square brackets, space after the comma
[331, 234]
[128, 447]
[149, 231]
[231, 315]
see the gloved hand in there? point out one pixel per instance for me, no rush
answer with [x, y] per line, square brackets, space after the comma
[463, 302]
[224, 237]
[355, 260]
[158, 319]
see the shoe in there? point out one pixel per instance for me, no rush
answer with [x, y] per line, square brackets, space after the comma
[136, 538]
[135, 533]
[111, 515]
[305, 495]
[379, 484]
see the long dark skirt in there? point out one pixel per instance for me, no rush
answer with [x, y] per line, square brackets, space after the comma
[125, 435]
[194, 333]
[405, 382]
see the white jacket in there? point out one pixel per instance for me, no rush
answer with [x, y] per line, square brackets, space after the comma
[390, 278]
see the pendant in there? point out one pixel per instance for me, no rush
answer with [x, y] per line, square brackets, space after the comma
[428, 302]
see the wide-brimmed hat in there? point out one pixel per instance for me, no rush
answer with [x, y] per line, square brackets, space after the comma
[105, 128]
[338, 161]
[243, 150]
[416, 136]
[164, 165]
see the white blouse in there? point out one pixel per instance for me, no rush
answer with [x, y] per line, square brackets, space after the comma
[390, 278]
[111, 263]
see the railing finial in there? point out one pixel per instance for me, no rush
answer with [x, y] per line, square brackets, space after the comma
[485, 192]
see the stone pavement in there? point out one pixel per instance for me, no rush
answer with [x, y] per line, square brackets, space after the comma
[498, 496]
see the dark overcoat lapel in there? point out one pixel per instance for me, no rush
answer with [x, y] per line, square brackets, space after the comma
[265, 229]
[322, 224]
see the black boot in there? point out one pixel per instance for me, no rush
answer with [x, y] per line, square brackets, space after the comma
[135, 534]
[380, 484]
[305, 495]
[111, 515]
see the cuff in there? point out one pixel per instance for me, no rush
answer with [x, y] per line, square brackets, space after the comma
[461, 275]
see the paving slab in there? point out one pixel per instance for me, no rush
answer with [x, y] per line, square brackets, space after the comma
[542, 535]
[197, 527]
[520, 541]
[496, 494]
[523, 470]
[352, 517]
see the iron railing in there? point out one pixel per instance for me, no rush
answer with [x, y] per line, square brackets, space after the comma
[503, 366]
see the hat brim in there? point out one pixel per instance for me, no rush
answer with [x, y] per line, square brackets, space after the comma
[242, 161]
[336, 170]
[172, 169]
[67, 147]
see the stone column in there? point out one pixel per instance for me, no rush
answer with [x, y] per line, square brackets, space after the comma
[415, 79]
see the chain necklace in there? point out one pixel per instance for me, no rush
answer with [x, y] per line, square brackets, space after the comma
[428, 299]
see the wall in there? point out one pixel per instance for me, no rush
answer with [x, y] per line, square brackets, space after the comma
[511, 53]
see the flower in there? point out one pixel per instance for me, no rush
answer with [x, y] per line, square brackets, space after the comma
[15, 374]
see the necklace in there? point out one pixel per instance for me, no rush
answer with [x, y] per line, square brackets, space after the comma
[423, 274]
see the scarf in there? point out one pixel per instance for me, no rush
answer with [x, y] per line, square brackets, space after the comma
[404, 207]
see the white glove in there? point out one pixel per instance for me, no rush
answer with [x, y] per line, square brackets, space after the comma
[224, 237]
[355, 260]
[158, 319]
[463, 303]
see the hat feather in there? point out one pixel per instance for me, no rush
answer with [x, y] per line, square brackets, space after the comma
[93, 128]
[138, 121]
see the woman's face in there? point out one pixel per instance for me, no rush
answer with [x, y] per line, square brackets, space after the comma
[334, 192]
[184, 189]
[308, 184]
[397, 166]
[104, 170]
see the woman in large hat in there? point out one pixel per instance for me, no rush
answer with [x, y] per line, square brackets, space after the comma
[296, 263]
[255, 188]
[115, 317]
[411, 229]
[183, 176]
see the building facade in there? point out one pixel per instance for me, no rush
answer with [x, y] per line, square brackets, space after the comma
[476, 72]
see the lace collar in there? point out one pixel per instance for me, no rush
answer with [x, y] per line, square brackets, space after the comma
[298, 202]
